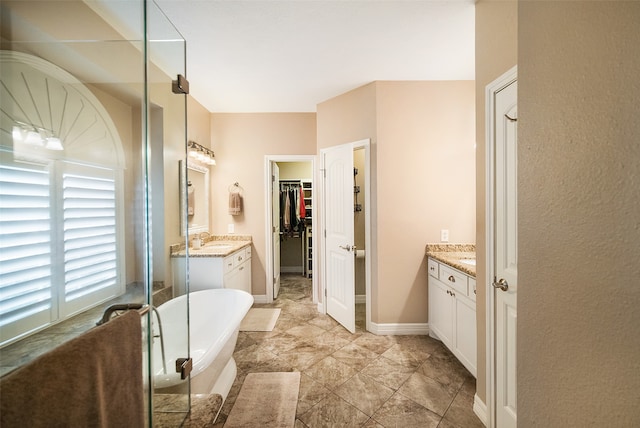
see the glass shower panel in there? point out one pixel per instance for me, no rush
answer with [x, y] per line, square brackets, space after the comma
[76, 202]
[167, 148]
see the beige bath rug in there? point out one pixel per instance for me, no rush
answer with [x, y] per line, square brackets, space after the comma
[266, 400]
[260, 319]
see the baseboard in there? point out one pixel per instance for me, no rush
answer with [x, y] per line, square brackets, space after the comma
[291, 269]
[361, 298]
[260, 298]
[399, 329]
[480, 409]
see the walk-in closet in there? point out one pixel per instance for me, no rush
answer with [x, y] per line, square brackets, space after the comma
[296, 214]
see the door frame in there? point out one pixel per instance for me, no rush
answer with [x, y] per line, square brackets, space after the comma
[369, 250]
[268, 159]
[490, 91]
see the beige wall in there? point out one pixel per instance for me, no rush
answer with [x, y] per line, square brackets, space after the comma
[496, 52]
[426, 182]
[241, 141]
[421, 132]
[579, 214]
[345, 119]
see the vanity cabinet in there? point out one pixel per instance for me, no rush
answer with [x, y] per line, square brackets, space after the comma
[452, 311]
[206, 272]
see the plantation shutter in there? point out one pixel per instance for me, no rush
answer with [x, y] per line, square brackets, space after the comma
[89, 233]
[25, 248]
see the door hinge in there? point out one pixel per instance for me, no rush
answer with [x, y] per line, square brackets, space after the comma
[325, 233]
[180, 85]
[273, 178]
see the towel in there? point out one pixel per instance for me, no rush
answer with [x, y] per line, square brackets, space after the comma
[94, 380]
[235, 203]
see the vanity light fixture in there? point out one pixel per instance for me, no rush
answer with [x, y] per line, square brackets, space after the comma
[34, 136]
[201, 153]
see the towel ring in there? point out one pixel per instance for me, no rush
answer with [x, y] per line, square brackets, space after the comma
[235, 188]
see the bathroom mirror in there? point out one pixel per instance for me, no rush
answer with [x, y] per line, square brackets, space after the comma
[195, 195]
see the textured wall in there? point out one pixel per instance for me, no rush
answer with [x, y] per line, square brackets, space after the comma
[579, 214]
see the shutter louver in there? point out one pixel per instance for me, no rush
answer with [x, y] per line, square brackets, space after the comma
[90, 252]
[25, 249]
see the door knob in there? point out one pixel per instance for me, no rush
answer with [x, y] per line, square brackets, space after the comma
[348, 247]
[502, 284]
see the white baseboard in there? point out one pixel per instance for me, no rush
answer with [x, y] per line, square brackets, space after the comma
[260, 298]
[480, 409]
[399, 329]
[361, 298]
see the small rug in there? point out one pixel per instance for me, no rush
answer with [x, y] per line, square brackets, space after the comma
[260, 319]
[266, 400]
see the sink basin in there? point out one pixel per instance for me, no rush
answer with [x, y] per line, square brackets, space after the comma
[213, 248]
[219, 246]
[471, 262]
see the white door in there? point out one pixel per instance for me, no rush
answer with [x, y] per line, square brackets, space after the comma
[506, 254]
[339, 241]
[275, 219]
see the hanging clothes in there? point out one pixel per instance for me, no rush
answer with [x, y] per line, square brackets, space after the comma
[287, 213]
[303, 208]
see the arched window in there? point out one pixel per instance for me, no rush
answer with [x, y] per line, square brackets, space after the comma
[61, 197]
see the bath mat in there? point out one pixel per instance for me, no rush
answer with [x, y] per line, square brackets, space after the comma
[266, 400]
[260, 319]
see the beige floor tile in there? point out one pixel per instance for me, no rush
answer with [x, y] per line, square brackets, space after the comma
[374, 343]
[388, 372]
[428, 393]
[333, 411]
[400, 411]
[364, 393]
[355, 356]
[461, 414]
[311, 393]
[330, 372]
[406, 356]
[305, 331]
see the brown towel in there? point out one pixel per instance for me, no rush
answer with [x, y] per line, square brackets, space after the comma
[235, 203]
[94, 380]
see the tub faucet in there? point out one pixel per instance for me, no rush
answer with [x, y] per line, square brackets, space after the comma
[106, 316]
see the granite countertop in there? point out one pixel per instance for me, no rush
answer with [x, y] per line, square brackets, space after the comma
[214, 246]
[452, 254]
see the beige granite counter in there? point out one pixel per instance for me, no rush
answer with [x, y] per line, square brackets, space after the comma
[214, 246]
[453, 254]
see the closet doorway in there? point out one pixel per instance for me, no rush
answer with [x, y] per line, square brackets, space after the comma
[290, 201]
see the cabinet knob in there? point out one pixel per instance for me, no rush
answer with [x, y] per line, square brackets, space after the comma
[451, 278]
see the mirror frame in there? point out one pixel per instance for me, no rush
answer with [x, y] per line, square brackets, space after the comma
[185, 168]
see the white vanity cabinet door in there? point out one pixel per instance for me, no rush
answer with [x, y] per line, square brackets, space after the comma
[440, 312]
[452, 313]
[465, 332]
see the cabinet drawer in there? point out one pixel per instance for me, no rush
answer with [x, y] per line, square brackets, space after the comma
[454, 279]
[472, 289]
[432, 266]
[238, 257]
[228, 263]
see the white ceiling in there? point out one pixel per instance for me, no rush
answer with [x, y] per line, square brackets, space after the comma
[288, 56]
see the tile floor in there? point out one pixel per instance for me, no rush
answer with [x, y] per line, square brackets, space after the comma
[360, 379]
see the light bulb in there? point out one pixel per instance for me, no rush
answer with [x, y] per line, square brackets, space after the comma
[54, 143]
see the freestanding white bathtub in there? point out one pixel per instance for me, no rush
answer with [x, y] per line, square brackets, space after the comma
[214, 322]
